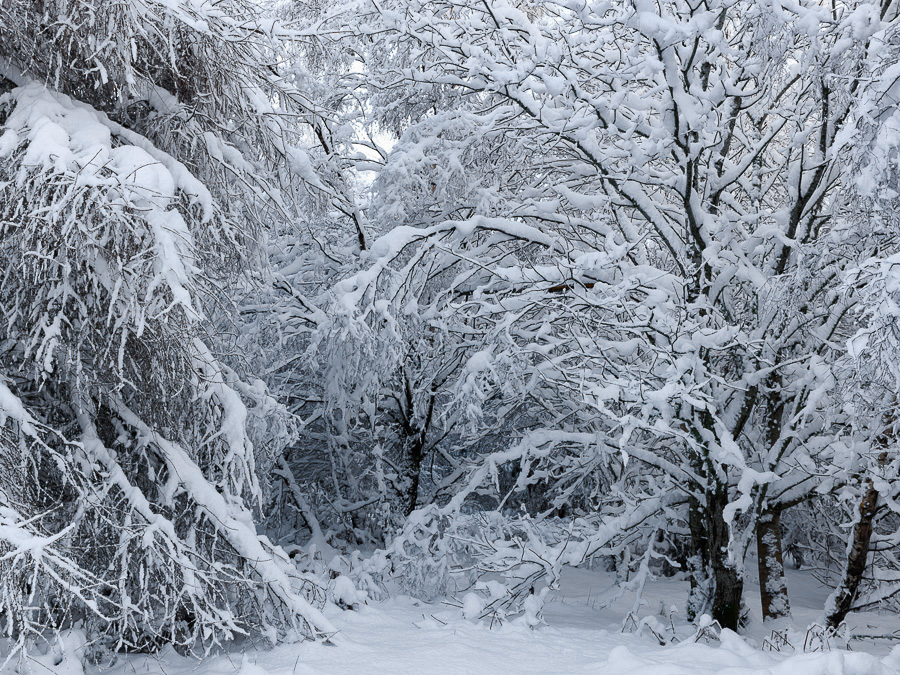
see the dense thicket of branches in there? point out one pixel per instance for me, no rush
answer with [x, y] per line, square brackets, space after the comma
[608, 280]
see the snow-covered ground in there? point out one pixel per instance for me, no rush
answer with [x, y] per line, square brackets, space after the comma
[403, 635]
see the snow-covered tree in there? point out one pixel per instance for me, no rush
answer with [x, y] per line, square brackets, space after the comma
[636, 206]
[868, 565]
[141, 148]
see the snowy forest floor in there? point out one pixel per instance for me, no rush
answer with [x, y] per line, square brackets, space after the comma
[402, 635]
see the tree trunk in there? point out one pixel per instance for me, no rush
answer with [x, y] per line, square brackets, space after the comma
[709, 540]
[416, 436]
[772, 585]
[698, 561]
[415, 455]
[728, 584]
[415, 463]
[841, 600]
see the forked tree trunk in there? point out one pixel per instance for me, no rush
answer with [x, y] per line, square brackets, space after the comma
[772, 585]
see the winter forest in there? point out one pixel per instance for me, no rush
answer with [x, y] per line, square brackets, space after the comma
[502, 336]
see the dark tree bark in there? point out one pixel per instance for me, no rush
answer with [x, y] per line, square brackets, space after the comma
[415, 432]
[772, 585]
[710, 537]
[841, 600]
[728, 585]
[709, 540]
[698, 560]
[414, 471]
